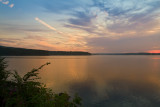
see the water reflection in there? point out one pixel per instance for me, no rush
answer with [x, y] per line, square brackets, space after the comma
[120, 92]
[102, 81]
[156, 58]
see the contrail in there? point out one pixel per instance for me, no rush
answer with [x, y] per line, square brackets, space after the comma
[64, 35]
[52, 28]
[47, 25]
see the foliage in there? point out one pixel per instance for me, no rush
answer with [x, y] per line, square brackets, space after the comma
[3, 72]
[26, 92]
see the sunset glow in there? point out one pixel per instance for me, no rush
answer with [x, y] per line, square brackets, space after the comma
[107, 26]
[94, 53]
[154, 51]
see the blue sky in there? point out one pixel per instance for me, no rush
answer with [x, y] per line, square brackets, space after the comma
[81, 25]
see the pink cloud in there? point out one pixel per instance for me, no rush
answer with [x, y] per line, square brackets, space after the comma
[11, 5]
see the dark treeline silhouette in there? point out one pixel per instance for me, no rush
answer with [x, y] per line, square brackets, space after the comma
[11, 51]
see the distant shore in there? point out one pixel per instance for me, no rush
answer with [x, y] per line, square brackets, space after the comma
[125, 53]
[12, 51]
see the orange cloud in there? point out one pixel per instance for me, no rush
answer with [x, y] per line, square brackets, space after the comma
[153, 51]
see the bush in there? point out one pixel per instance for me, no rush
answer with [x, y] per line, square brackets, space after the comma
[26, 92]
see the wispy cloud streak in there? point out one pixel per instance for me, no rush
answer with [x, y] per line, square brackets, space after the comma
[47, 25]
[67, 38]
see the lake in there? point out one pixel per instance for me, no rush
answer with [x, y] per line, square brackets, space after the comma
[100, 80]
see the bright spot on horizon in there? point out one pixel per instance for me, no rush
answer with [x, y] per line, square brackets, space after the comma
[154, 51]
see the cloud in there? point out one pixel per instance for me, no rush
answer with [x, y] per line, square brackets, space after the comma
[67, 40]
[131, 11]
[112, 18]
[8, 40]
[63, 6]
[11, 5]
[130, 44]
[35, 37]
[99, 20]
[124, 7]
[26, 43]
[7, 3]
[59, 5]
[47, 25]
[22, 29]
[81, 18]
[153, 51]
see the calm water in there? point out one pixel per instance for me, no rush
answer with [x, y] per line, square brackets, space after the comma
[101, 81]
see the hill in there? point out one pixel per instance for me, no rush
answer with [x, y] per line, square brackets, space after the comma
[12, 51]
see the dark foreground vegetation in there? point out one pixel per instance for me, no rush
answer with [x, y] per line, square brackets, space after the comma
[11, 51]
[26, 91]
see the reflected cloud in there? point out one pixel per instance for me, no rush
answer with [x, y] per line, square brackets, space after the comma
[86, 90]
[101, 81]
[156, 58]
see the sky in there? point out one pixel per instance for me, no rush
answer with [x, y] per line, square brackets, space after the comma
[97, 26]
